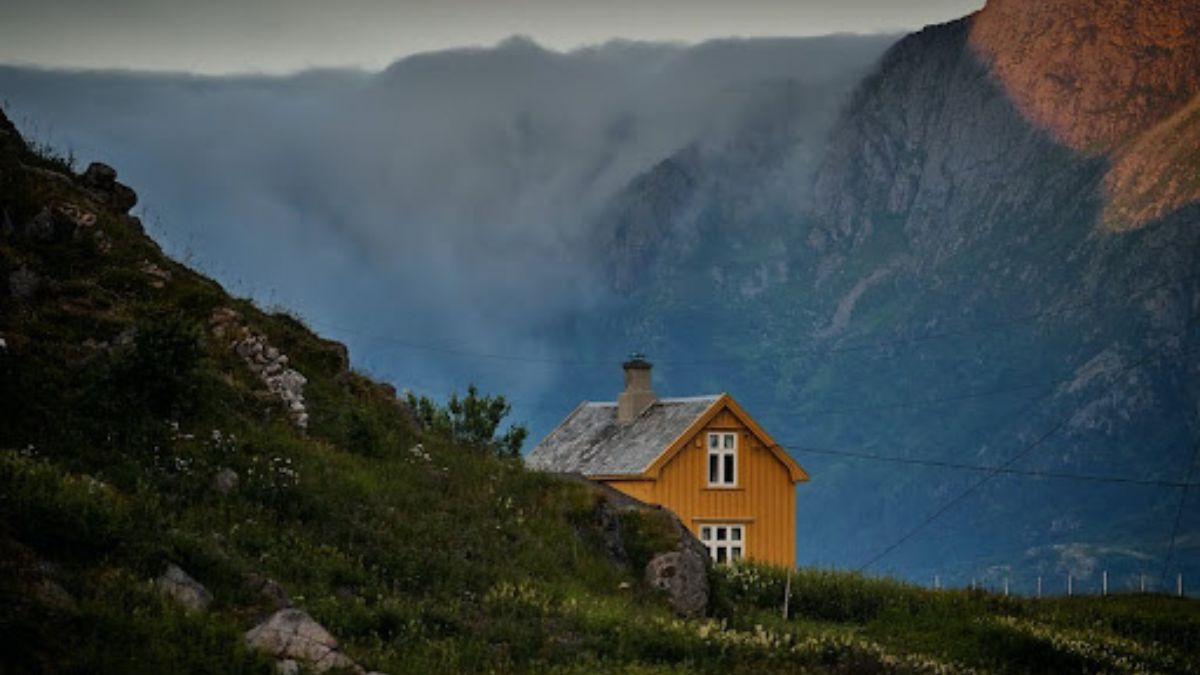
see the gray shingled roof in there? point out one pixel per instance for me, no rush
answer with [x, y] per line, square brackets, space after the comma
[591, 442]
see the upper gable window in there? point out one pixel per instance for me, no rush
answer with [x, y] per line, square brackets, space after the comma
[722, 459]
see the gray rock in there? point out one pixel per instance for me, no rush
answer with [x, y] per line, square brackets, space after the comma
[178, 585]
[226, 481]
[23, 283]
[684, 576]
[50, 224]
[122, 198]
[291, 634]
[269, 589]
[100, 176]
[52, 595]
[102, 179]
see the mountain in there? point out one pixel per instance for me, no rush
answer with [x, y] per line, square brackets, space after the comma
[991, 265]
[189, 483]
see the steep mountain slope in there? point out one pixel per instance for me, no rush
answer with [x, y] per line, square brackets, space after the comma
[943, 291]
[176, 465]
[1106, 78]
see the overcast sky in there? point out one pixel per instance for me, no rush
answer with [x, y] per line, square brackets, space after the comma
[224, 36]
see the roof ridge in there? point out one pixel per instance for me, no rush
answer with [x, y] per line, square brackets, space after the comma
[590, 441]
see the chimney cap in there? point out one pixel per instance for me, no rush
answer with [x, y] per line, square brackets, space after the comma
[636, 361]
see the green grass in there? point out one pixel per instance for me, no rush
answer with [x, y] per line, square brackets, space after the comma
[441, 561]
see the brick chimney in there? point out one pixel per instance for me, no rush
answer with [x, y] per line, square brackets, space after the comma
[637, 395]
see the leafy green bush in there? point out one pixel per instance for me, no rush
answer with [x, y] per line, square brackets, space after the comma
[472, 420]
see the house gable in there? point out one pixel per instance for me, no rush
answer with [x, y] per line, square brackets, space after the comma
[725, 404]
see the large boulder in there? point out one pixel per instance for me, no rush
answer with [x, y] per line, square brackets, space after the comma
[102, 179]
[100, 176]
[683, 575]
[291, 635]
[181, 587]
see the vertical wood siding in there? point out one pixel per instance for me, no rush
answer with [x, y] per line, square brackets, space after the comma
[764, 498]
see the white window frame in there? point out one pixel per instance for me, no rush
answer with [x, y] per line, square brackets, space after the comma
[722, 447]
[726, 542]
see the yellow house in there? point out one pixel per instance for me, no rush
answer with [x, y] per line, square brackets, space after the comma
[703, 457]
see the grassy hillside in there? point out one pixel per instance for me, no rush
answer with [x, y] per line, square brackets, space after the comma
[125, 394]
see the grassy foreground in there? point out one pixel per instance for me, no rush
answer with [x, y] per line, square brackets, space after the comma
[119, 405]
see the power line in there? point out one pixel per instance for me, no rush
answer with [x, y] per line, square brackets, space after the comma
[995, 471]
[976, 467]
[1187, 483]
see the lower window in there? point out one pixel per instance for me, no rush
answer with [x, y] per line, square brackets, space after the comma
[725, 543]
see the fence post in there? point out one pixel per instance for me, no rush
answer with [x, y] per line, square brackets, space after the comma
[1104, 582]
[1143, 582]
[1070, 590]
[937, 583]
[787, 593]
[1179, 584]
[1006, 587]
[1039, 589]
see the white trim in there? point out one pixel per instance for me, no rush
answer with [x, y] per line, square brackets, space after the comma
[726, 542]
[721, 446]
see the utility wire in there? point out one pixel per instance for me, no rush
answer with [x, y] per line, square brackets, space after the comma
[1187, 484]
[995, 471]
[976, 467]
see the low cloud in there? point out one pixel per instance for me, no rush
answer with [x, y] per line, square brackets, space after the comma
[443, 201]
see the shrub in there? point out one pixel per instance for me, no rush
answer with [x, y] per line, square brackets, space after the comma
[156, 375]
[472, 420]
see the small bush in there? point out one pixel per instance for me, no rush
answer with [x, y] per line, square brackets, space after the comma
[472, 420]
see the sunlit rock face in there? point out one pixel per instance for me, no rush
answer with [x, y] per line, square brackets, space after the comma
[1115, 77]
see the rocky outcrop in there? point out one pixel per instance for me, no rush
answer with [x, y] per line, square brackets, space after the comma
[271, 365]
[683, 575]
[1154, 174]
[1092, 73]
[182, 588]
[59, 222]
[293, 637]
[101, 180]
[677, 563]
[925, 146]
[1106, 78]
